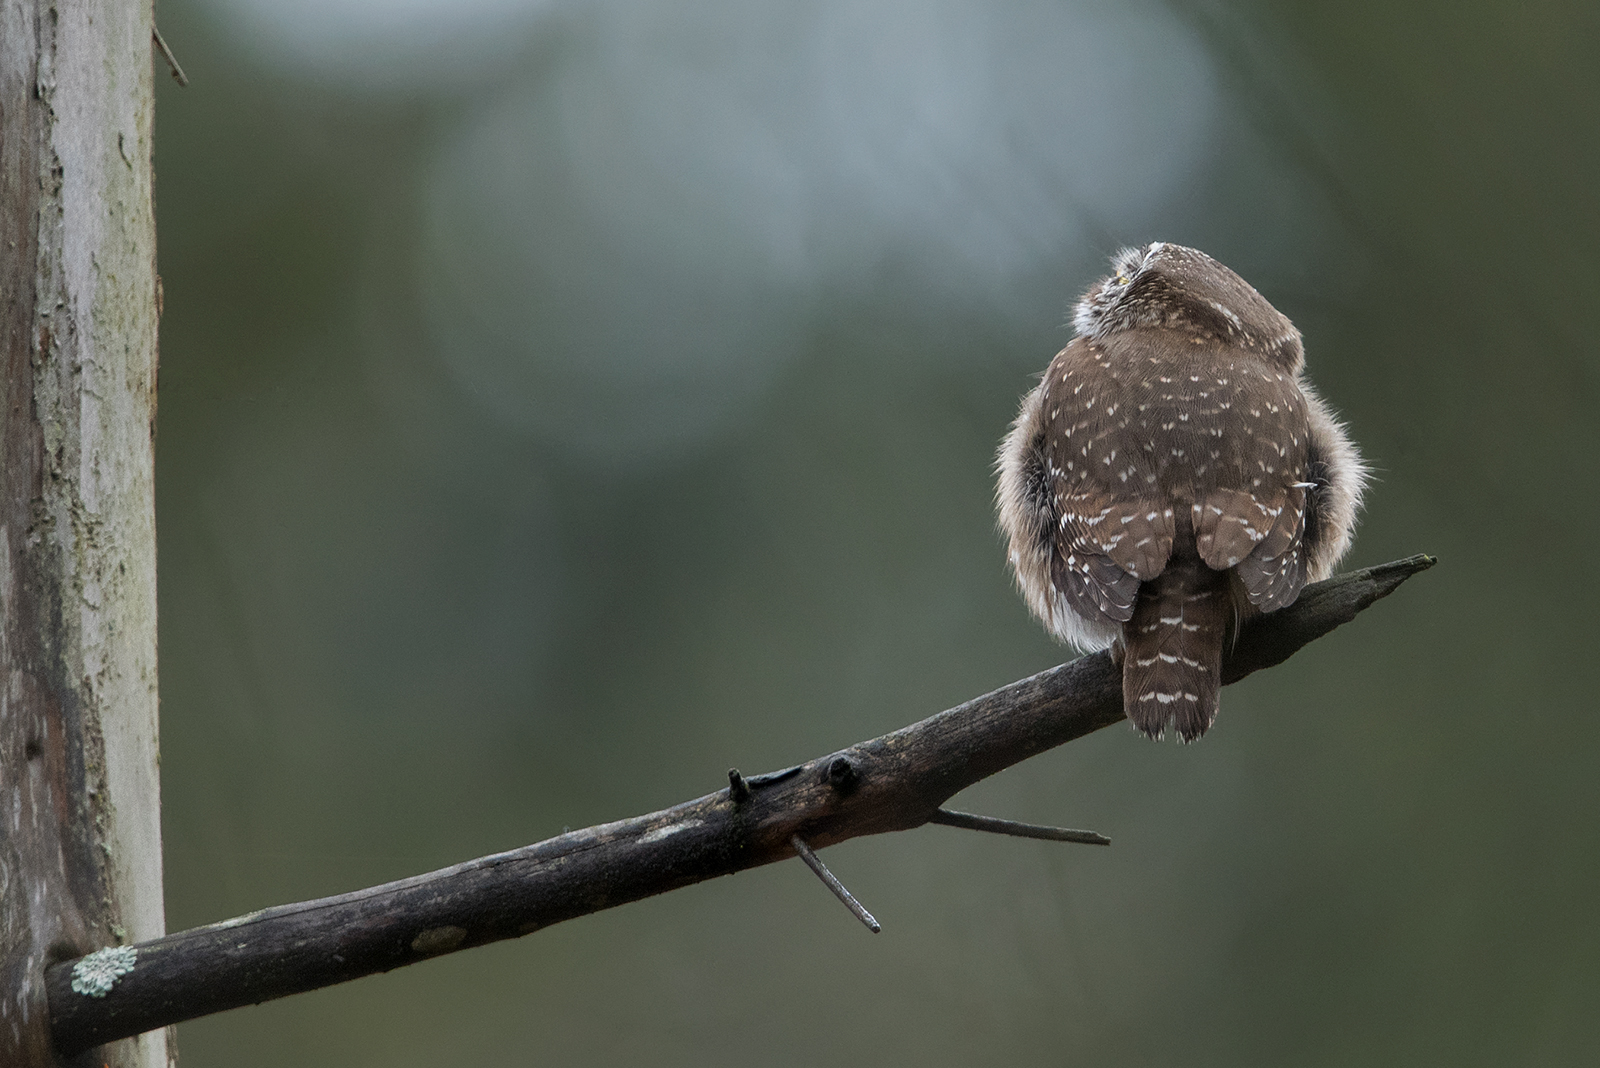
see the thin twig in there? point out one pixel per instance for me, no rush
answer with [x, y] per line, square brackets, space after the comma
[891, 783]
[831, 881]
[172, 61]
[973, 822]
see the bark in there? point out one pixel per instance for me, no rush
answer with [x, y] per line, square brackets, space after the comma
[894, 782]
[80, 833]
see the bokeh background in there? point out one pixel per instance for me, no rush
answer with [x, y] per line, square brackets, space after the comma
[564, 400]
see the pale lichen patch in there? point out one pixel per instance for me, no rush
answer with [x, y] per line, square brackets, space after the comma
[438, 940]
[668, 831]
[96, 974]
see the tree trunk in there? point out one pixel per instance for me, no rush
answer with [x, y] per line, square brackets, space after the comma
[80, 829]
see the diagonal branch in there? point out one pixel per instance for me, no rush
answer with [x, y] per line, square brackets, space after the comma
[891, 783]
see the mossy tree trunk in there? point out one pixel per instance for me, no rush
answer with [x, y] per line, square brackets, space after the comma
[80, 830]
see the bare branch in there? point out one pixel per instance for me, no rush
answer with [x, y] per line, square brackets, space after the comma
[891, 783]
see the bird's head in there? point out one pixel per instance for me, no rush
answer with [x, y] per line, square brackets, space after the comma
[1171, 287]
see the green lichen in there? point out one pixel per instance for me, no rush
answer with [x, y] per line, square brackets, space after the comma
[96, 974]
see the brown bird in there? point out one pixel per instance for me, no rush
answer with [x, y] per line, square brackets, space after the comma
[1172, 474]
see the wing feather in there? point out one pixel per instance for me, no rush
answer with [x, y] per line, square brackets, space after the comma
[1259, 535]
[1105, 547]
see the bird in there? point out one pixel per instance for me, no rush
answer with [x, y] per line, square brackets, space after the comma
[1172, 475]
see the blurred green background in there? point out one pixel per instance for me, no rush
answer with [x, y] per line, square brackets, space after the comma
[564, 401]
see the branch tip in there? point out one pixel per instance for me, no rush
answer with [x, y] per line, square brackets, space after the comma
[1391, 575]
[832, 882]
[972, 822]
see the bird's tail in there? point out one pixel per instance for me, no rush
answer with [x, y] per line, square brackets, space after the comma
[1173, 646]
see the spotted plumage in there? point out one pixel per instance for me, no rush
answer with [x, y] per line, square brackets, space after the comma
[1172, 473]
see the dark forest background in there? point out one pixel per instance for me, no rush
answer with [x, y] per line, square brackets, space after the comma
[562, 402]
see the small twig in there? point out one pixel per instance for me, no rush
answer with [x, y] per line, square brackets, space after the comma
[973, 822]
[738, 788]
[832, 882]
[172, 61]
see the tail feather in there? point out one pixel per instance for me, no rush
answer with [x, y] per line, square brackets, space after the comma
[1172, 663]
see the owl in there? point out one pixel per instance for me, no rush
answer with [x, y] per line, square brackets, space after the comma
[1172, 475]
